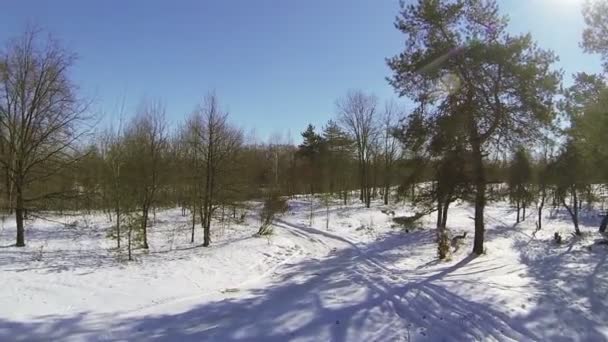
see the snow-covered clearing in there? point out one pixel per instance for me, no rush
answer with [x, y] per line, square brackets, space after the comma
[360, 280]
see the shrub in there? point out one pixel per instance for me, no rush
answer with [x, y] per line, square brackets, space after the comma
[273, 205]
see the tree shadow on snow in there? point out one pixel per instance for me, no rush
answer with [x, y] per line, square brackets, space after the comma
[352, 295]
[561, 273]
[356, 294]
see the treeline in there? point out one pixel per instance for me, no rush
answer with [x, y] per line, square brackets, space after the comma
[53, 160]
[206, 166]
[489, 119]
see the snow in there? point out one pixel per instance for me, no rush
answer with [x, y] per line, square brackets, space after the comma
[361, 279]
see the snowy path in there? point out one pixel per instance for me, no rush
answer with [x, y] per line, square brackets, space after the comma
[349, 283]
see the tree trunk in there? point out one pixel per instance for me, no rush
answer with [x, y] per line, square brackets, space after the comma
[206, 236]
[439, 215]
[517, 206]
[576, 210]
[572, 209]
[144, 226]
[204, 214]
[19, 216]
[327, 215]
[366, 185]
[444, 218]
[480, 198]
[442, 239]
[129, 241]
[604, 224]
[539, 225]
[193, 222]
[117, 210]
[9, 191]
[311, 212]
[386, 190]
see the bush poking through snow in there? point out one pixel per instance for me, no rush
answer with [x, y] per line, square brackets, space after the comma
[38, 256]
[443, 245]
[458, 241]
[273, 205]
[557, 237]
[134, 231]
[388, 212]
[72, 225]
[407, 221]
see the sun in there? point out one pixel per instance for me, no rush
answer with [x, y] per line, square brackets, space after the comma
[566, 2]
[562, 6]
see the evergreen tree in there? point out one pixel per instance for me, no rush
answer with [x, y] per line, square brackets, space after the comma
[593, 140]
[339, 151]
[310, 150]
[460, 61]
[595, 35]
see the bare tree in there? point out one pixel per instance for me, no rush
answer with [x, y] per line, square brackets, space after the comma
[357, 112]
[112, 149]
[215, 145]
[41, 117]
[187, 147]
[146, 142]
[390, 145]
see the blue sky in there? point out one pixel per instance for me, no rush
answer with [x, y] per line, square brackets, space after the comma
[275, 64]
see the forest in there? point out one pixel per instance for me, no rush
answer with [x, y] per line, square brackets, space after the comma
[492, 111]
[480, 117]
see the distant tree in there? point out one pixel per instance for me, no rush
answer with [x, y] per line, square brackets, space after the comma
[357, 113]
[593, 140]
[542, 175]
[41, 119]
[146, 141]
[390, 146]
[571, 178]
[274, 205]
[520, 179]
[133, 223]
[442, 154]
[311, 150]
[215, 146]
[112, 179]
[452, 183]
[584, 106]
[339, 152]
[188, 158]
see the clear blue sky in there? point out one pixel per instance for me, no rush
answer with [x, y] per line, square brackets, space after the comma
[275, 64]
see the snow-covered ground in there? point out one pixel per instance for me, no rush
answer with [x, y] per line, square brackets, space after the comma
[360, 279]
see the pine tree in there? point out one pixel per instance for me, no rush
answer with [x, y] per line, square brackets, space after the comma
[339, 149]
[460, 61]
[310, 150]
